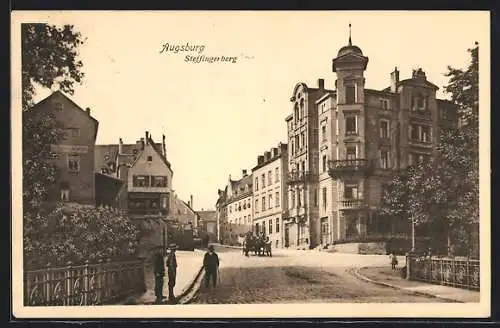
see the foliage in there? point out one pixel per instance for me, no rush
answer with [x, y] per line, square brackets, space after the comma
[49, 57]
[39, 172]
[78, 233]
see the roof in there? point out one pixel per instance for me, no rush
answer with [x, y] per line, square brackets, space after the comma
[208, 215]
[56, 93]
[237, 185]
[419, 82]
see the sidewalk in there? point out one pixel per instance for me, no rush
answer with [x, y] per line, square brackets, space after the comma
[189, 265]
[392, 278]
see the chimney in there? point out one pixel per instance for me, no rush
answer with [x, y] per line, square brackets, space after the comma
[244, 173]
[394, 80]
[87, 110]
[120, 146]
[191, 201]
[267, 155]
[321, 84]
[275, 152]
[164, 147]
[260, 160]
[418, 74]
[142, 143]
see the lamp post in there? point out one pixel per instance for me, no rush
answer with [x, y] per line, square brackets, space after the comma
[412, 234]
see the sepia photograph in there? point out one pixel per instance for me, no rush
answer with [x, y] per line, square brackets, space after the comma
[225, 164]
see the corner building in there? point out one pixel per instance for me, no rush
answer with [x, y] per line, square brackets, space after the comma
[301, 226]
[365, 136]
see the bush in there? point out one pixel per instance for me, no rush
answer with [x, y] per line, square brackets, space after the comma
[77, 233]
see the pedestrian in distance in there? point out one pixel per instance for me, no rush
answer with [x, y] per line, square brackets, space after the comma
[211, 266]
[159, 272]
[172, 271]
[394, 260]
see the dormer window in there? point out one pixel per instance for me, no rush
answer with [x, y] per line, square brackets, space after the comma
[384, 104]
[150, 158]
[58, 106]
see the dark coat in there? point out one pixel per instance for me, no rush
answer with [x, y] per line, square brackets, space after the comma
[172, 262]
[211, 261]
[159, 265]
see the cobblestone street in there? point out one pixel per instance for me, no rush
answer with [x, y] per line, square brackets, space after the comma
[298, 276]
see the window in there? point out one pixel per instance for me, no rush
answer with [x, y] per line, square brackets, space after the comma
[140, 180]
[315, 197]
[159, 181]
[303, 140]
[302, 108]
[277, 225]
[303, 166]
[58, 106]
[384, 104]
[263, 203]
[350, 125]
[424, 133]
[299, 198]
[324, 163]
[323, 133]
[296, 112]
[256, 184]
[277, 174]
[324, 197]
[73, 163]
[292, 199]
[263, 179]
[270, 226]
[150, 158]
[351, 191]
[297, 143]
[277, 200]
[269, 178]
[384, 129]
[384, 159]
[350, 153]
[413, 131]
[257, 206]
[270, 201]
[350, 94]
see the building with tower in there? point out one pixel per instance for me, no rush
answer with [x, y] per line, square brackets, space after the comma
[365, 136]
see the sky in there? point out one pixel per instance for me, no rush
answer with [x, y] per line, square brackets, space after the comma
[218, 117]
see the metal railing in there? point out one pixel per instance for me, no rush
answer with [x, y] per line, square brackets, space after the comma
[300, 176]
[461, 273]
[352, 203]
[88, 284]
[350, 165]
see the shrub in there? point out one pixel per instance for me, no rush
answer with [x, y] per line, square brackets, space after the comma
[76, 233]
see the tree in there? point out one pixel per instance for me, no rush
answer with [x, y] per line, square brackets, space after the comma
[76, 233]
[49, 57]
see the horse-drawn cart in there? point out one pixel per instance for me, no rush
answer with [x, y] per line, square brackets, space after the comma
[260, 246]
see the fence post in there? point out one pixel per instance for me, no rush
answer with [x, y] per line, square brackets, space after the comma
[430, 267]
[467, 272]
[46, 285]
[85, 283]
[100, 278]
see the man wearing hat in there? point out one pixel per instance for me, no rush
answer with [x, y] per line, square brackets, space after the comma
[211, 265]
[172, 271]
[159, 270]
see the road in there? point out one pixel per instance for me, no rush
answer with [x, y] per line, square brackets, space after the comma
[296, 277]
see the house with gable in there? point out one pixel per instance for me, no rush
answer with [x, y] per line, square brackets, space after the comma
[73, 154]
[146, 195]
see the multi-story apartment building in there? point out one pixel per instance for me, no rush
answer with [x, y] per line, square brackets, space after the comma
[73, 155]
[270, 193]
[239, 200]
[365, 136]
[221, 216]
[301, 226]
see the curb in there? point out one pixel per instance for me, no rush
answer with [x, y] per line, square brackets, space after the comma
[355, 273]
[183, 298]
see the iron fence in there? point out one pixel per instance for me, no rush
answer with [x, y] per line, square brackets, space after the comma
[88, 284]
[453, 272]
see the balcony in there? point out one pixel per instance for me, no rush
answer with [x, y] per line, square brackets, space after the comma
[147, 211]
[300, 177]
[338, 168]
[352, 204]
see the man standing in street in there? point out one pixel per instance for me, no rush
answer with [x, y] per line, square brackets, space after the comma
[172, 272]
[211, 265]
[159, 271]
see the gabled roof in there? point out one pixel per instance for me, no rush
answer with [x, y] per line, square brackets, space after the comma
[33, 108]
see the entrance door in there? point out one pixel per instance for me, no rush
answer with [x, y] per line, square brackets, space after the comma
[325, 238]
[287, 236]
